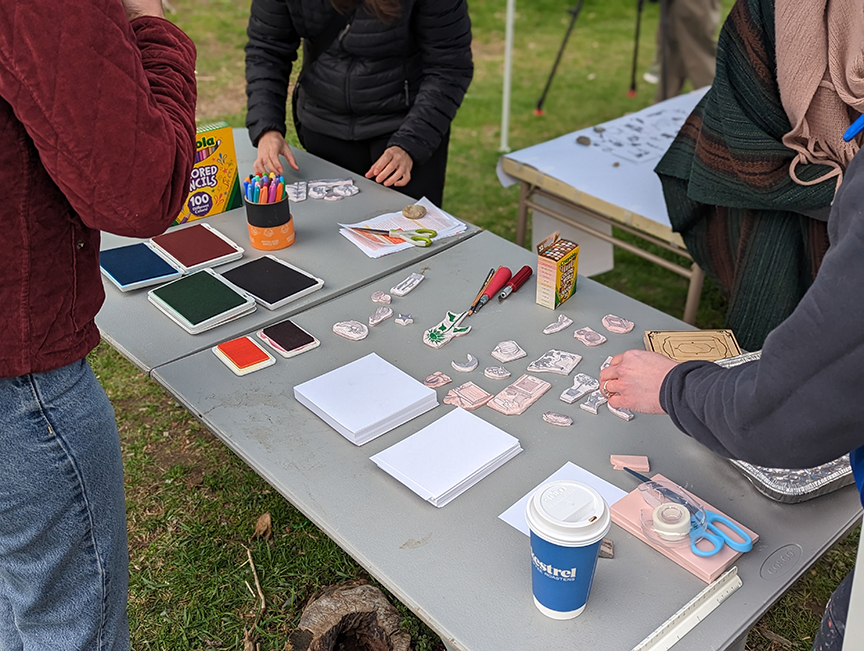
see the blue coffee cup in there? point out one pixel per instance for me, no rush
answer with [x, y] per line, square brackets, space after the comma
[567, 520]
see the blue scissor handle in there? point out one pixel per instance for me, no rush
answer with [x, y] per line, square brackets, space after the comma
[716, 541]
[717, 537]
[746, 542]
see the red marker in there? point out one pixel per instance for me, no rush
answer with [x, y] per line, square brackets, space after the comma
[516, 282]
[498, 281]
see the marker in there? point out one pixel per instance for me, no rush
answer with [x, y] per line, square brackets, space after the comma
[515, 282]
[272, 193]
[256, 196]
[279, 192]
[498, 281]
[855, 129]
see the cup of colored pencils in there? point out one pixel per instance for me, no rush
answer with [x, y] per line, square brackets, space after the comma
[267, 212]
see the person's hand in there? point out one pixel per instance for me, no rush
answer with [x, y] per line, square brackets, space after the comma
[634, 379]
[270, 146]
[138, 8]
[393, 168]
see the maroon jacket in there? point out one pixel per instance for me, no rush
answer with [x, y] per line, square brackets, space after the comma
[97, 132]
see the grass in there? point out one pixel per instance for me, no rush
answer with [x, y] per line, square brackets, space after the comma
[192, 504]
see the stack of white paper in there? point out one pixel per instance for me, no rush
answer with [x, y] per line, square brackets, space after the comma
[449, 456]
[366, 398]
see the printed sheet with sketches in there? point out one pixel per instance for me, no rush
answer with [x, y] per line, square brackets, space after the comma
[641, 137]
[620, 157]
[376, 245]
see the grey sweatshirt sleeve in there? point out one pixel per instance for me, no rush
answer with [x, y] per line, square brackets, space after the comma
[802, 404]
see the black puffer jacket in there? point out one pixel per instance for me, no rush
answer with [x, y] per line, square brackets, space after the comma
[407, 78]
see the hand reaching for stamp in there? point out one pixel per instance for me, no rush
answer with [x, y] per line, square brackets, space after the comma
[270, 146]
[393, 168]
[634, 379]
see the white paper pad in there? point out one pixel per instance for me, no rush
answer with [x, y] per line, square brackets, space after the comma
[376, 245]
[446, 458]
[515, 515]
[366, 398]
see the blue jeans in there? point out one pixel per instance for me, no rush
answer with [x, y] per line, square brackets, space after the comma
[63, 555]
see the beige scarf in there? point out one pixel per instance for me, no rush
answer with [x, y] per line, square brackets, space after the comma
[820, 72]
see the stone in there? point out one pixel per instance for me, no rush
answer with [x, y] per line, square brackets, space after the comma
[414, 212]
[584, 140]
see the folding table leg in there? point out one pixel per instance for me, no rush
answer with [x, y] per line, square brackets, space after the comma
[697, 276]
[522, 215]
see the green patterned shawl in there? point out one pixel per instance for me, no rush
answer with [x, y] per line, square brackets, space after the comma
[727, 186]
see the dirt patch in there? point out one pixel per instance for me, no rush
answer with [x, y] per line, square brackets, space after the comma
[487, 51]
[217, 100]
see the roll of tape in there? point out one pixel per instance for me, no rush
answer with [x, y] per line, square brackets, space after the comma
[672, 521]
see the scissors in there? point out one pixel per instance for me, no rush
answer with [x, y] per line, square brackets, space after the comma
[705, 527]
[418, 237]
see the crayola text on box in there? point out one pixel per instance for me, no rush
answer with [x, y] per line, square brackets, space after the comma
[214, 185]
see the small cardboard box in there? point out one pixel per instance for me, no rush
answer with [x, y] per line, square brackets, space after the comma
[214, 185]
[557, 265]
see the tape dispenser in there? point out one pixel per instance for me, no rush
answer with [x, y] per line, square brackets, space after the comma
[677, 519]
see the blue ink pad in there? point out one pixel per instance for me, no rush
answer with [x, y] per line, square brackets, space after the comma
[135, 266]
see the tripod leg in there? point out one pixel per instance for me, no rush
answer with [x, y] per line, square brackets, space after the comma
[632, 91]
[574, 14]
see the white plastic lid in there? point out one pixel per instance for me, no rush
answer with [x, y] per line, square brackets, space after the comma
[568, 513]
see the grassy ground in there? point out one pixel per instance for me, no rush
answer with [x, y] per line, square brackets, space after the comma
[193, 505]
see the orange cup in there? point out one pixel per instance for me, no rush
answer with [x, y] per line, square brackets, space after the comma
[271, 226]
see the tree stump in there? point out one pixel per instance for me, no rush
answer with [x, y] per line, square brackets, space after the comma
[350, 616]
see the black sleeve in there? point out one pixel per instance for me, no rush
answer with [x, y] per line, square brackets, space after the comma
[443, 31]
[270, 52]
[802, 404]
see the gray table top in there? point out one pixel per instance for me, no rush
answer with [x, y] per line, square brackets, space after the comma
[130, 323]
[460, 568]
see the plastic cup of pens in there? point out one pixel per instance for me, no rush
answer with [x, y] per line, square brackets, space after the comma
[567, 521]
[268, 213]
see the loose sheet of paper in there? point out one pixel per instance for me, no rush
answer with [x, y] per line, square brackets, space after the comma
[376, 245]
[515, 515]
